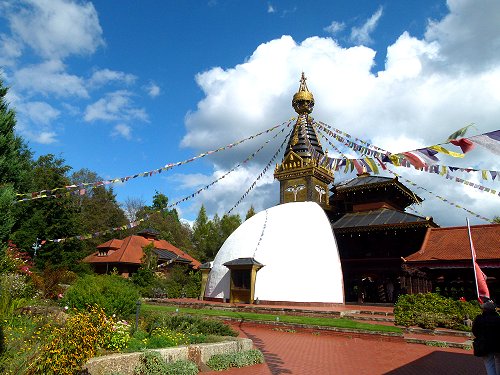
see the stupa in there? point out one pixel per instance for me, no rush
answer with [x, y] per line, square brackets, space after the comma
[287, 253]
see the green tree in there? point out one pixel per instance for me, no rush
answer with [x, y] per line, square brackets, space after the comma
[201, 233]
[496, 219]
[50, 218]
[97, 210]
[15, 167]
[167, 222]
[250, 213]
[209, 235]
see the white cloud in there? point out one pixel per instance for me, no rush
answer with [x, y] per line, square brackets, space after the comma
[334, 27]
[469, 35]
[56, 28]
[45, 137]
[122, 130]
[10, 50]
[39, 112]
[153, 90]
[270, 8]
[104, 76]
[223, 195]
[411, 103]
[49, 77]
[115, 106]
[362, 34]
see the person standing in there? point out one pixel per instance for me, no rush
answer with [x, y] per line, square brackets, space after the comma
[486, 329]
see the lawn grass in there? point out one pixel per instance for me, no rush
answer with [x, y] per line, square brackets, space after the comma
[324, 322]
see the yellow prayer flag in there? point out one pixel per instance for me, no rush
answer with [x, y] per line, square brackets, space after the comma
[395, 159]
[447, 152]
[484, 174]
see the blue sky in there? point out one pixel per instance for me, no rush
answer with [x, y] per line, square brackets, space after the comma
[122, 87]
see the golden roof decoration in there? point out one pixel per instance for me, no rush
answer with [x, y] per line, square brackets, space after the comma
[303, 100]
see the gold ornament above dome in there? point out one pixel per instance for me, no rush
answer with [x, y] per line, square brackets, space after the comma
[303, 100]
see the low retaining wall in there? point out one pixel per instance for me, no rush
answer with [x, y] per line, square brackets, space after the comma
[198, 353]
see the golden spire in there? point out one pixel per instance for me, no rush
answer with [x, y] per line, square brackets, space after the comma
[303, 100]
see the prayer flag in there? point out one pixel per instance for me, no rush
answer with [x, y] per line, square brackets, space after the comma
[490, 141]
[480, 277]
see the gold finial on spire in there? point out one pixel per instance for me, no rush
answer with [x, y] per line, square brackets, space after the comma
[303, 100]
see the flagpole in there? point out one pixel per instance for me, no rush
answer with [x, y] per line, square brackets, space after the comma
[473, 257]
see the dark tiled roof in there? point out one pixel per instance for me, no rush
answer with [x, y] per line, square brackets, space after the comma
[168, 255]
[363, 181]
[149, 231]
[306, 137]
[367, 181]
[206, 266]
[243, 262]
[381, 217]
[452, 244]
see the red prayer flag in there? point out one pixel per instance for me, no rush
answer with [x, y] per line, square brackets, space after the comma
[481, 286]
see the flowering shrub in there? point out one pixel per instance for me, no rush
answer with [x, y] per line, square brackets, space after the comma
[164, 338]
[73, 344]
[119, 337]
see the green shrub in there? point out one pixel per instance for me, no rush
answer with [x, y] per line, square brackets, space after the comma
[430, 310]
[187, 324]
[151, 363]
[219, 362]
[114, 294]
[176, 284]
[2, 339]
[181, 368]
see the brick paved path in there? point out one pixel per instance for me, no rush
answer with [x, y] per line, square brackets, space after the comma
[305, 353]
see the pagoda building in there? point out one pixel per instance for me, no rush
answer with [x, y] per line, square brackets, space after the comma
[300, 175]
[374, 233]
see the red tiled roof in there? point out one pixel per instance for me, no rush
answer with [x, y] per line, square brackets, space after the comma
[111, 244]
[130, 251]
[452, 244]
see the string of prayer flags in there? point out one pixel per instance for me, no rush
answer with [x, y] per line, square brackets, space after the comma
[266, 168]
[199, 191]
[85, 187]
[439, 197]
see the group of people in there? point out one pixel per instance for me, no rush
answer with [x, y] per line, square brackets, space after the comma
[486, 330]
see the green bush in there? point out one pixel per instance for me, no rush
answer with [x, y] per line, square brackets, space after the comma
[182, 368]
[430, 310]
[114, 294]
[152, 363]
[187, 324]
[220, 362]
[178, 283]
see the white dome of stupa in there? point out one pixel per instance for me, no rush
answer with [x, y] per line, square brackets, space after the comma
[296, 245]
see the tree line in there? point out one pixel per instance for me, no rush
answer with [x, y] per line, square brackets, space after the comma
[24, 223]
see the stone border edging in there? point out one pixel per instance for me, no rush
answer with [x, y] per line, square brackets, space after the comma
[125, 363]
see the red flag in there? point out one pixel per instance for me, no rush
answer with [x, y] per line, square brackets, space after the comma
[464, 144]
[481, 286]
